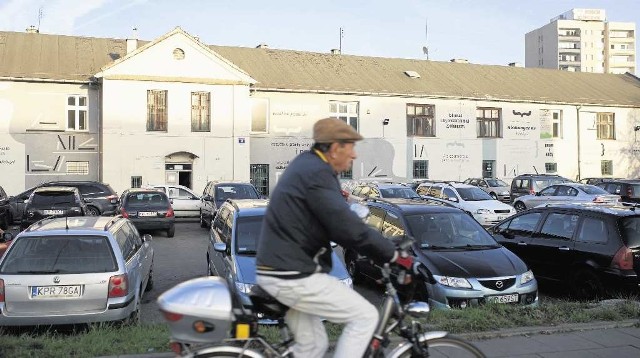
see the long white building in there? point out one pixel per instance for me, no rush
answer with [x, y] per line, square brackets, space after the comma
[582, 40]
[175, 110]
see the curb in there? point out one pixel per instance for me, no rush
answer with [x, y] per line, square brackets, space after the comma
[479, 336]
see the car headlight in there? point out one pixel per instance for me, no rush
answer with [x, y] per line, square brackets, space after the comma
[348, 282]
[483, 211]
[244, 287]
[504, 193]
[456, 282]
[526, 277]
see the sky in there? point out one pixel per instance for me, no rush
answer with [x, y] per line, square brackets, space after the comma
[481, 31]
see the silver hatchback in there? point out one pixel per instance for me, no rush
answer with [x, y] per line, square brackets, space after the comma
[75, 270]
[566, 193]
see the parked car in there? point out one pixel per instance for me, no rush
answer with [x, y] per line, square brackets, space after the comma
[384, 190]
[628, 189]
[100, 198]
[530, 184]
[595, 181]
[5, 214]
[567, 192]
[215, 193]
[233, 240]
[77, 270]
[589, 249]
[148, 209]
[53, 201]
[185, 202]
[466, 266]
[498, 189]
[485, 209]
[5, 241]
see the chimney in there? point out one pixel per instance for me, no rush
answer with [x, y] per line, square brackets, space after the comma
[262, 45]
[132, 43]
[459, 60]
[515, 64]
[32, 30]
[335, 51]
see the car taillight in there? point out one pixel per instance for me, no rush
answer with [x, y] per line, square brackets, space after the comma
[623, 259]
[124, 213]
[170, 212]
[113, 199]
[170, 316]
[118, 286]
[1, 290]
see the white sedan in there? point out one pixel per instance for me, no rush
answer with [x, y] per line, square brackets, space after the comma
[184, 201]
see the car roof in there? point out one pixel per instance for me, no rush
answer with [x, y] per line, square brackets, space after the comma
[144, 190]
[391, 185]
[72, 225]
[249, 207]
[415, 206]
[617, 210]
[55, 188]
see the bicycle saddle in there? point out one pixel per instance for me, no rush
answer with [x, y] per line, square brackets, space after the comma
[264, 303]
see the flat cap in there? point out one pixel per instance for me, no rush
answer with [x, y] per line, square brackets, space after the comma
[329, 130]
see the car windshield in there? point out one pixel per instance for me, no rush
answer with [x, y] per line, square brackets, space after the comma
[46, 199]
[59, 254]
[224, 192]
[147, 198]
[247, 232]
[540, 184]
[473, 194]
[630, 228]
[496, 182]
[634, 191]
[448, 230]
[590, 189]
[398, 193]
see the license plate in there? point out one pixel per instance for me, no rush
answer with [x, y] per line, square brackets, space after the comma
[55, 291]
[503, 299]
[501, 218]
[54, 212]
[147, 213]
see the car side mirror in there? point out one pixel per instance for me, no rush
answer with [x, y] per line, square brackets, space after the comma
[220, 247]
[146, 238]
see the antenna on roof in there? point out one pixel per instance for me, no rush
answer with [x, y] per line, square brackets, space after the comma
[341, 36]
[40, 16]
[425, 49]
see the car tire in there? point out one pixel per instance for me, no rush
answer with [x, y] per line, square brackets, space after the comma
[171, 231]
[150, 280]
[519, 206]
[203, 224]
[585, 284]
[493, 195]
[92, 211]
[209, 268]
[134, 318]
[352, 268]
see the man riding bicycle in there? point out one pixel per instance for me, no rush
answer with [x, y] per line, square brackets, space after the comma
[306, 212]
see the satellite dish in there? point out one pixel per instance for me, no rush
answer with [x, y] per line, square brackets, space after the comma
[425, 50]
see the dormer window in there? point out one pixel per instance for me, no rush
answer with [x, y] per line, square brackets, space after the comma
[412, 74]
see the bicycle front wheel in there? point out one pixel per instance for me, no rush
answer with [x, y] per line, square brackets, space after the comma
[446, 346]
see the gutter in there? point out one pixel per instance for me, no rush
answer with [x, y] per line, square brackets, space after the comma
[42, 80]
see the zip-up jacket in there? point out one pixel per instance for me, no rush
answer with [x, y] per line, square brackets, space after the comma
[306, 212]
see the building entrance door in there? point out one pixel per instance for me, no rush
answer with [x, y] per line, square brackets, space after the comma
[178, 174]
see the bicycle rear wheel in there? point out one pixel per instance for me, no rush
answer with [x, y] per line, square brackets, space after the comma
[446, 346]
[226, 352]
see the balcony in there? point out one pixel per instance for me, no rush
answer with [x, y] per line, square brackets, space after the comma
[571, 51]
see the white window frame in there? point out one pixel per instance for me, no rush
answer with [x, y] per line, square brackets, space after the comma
[77, 109]
[556, 119]
[347, 111]
[606, 126]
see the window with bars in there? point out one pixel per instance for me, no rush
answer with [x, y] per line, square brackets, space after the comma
[421, 120]
[259, 115]
[136, 181]
[77, 113]
[606, 167]
[605, 123]
[420, 169]
[78, 168]
[551, 167]
[488, 122]
[156, 110]
[259, 177]
[556, 124]
[347, 111]
[200, 111]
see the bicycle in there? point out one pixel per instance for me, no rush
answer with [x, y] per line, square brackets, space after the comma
[416, 341]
